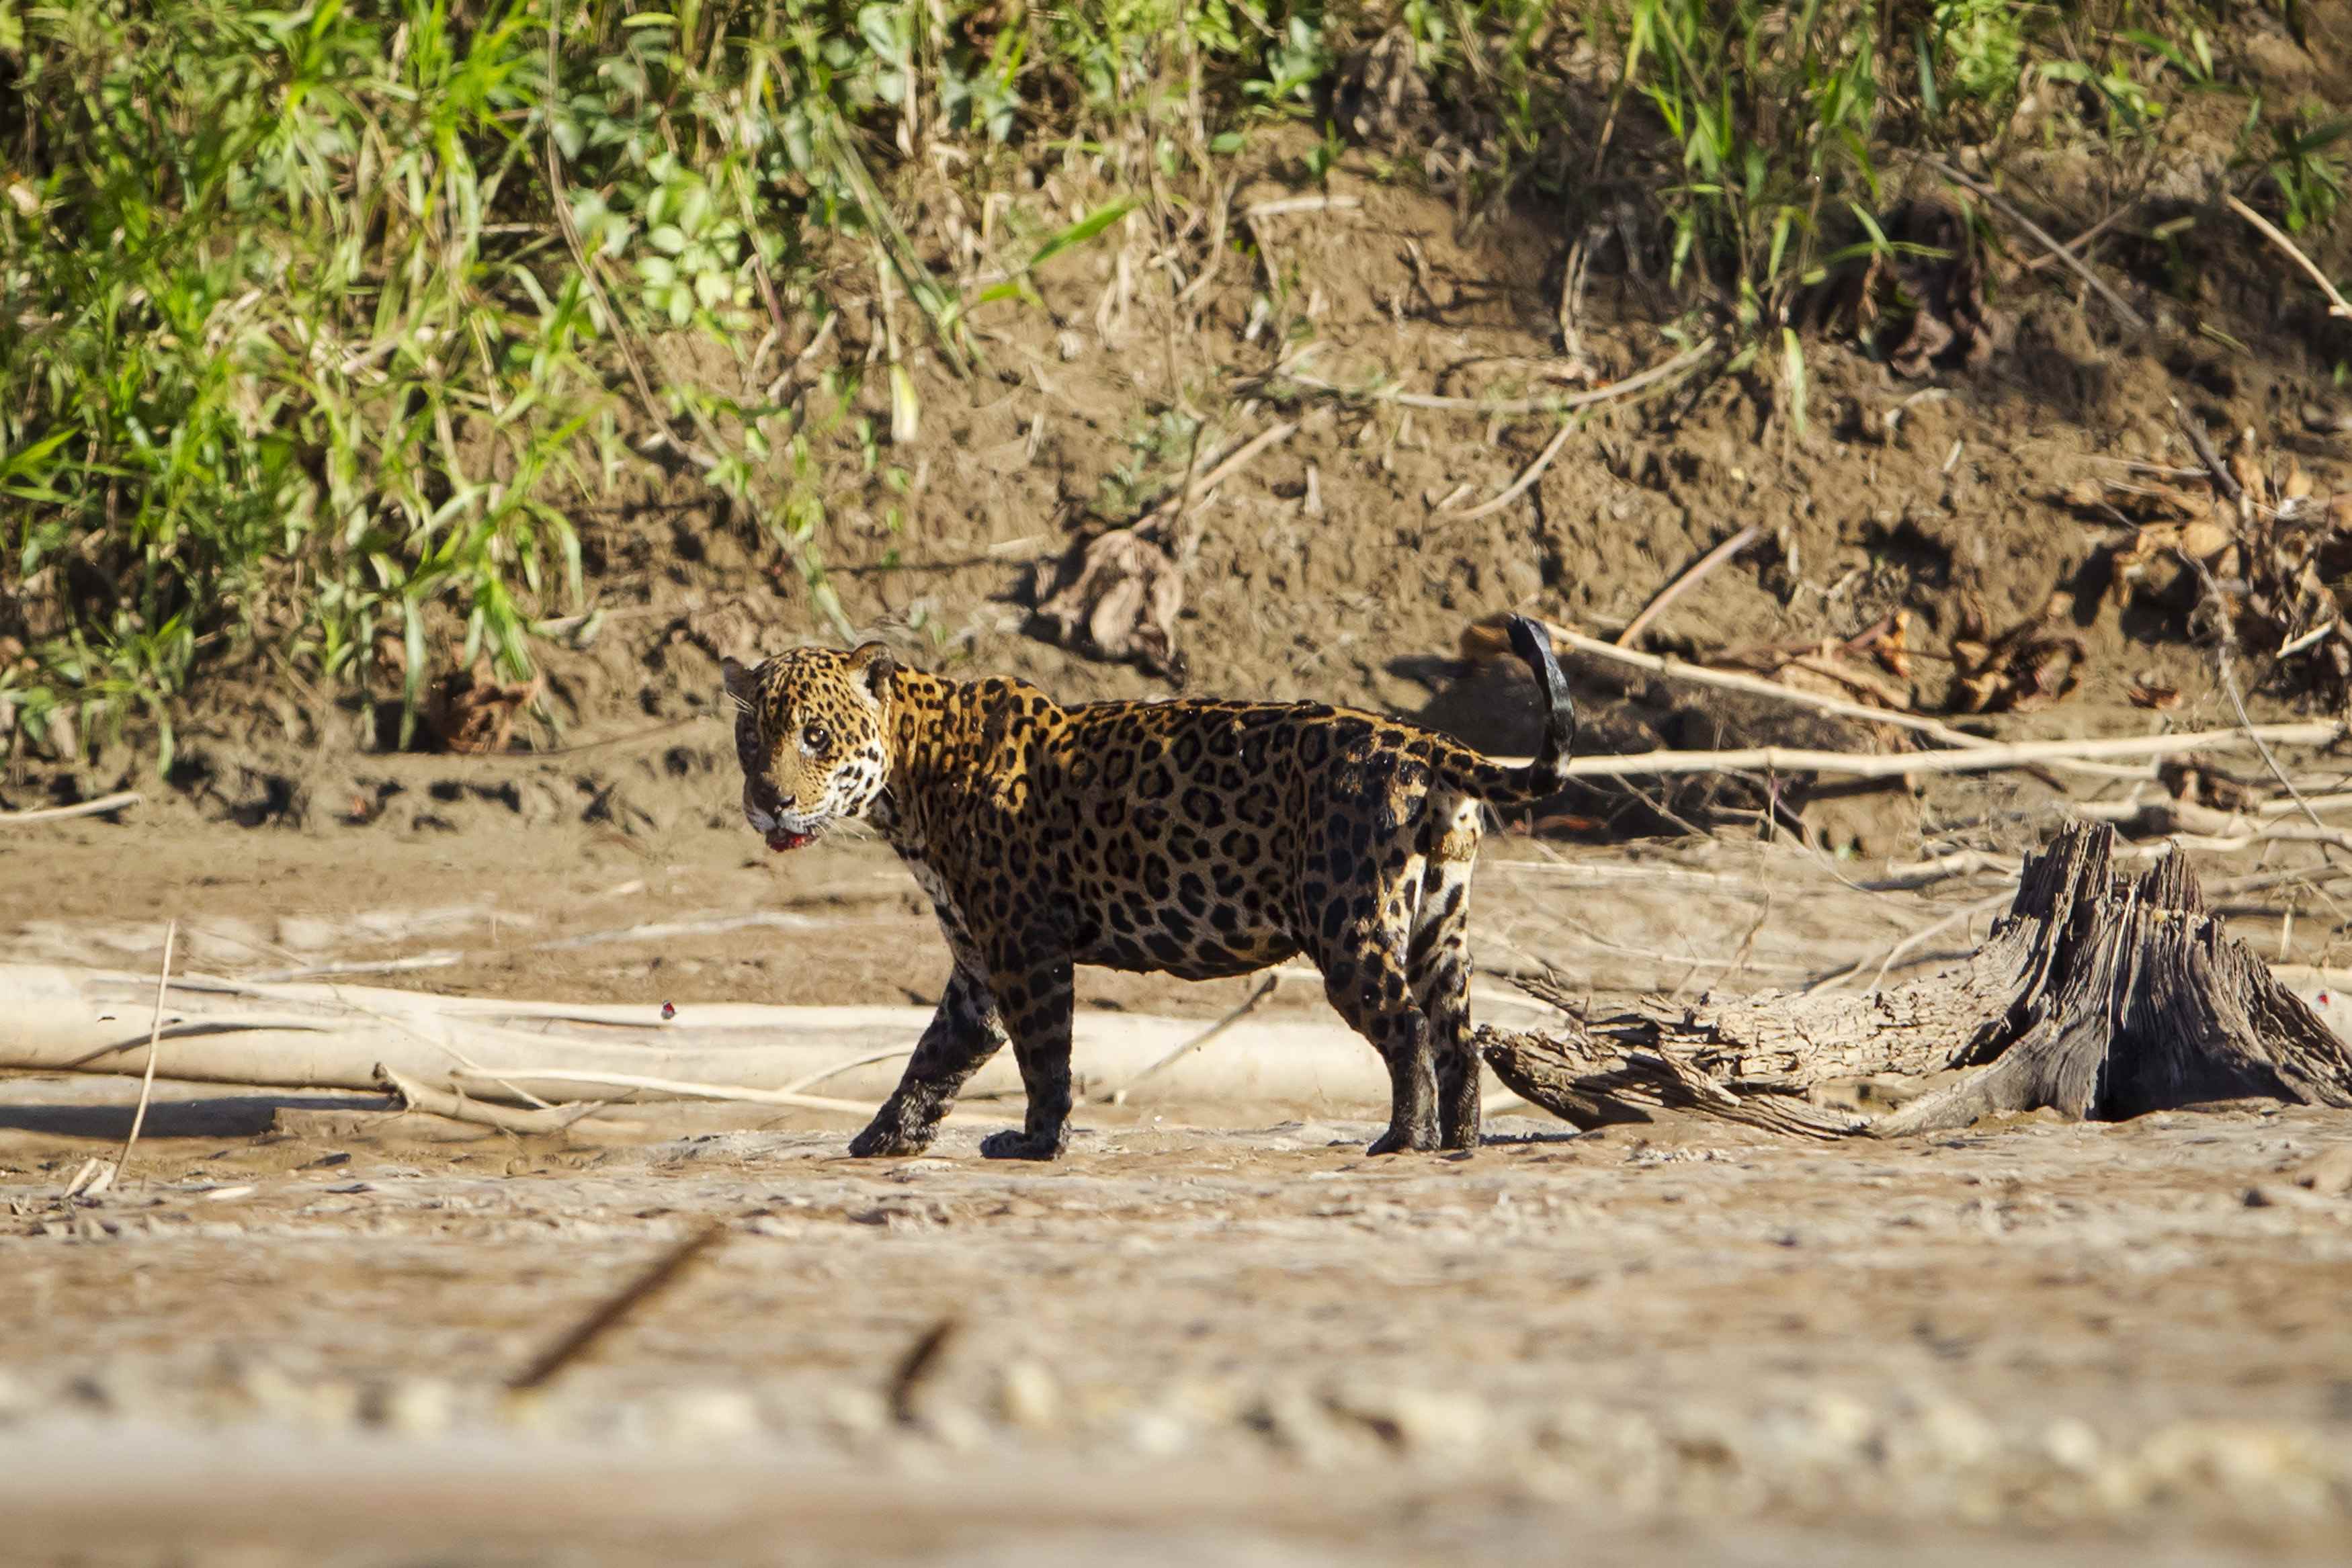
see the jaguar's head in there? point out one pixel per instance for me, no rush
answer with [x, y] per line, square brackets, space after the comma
[809, 732]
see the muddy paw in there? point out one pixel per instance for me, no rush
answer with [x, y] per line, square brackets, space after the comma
[887, 1138]
[1020, 1147]
[1405, 1141]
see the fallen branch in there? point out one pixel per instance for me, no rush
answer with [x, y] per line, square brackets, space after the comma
[1594, 1087]
[98, 808]
[1758, 685]
[417, 1096]
[65, 1019]
[413, 963]
[1981, 759]
[2205, 828]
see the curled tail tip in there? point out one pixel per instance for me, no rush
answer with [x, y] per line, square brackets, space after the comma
[1530, 641]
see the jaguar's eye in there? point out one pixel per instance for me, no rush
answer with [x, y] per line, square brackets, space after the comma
[816, 739]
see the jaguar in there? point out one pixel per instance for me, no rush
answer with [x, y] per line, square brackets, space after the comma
[1191, 837]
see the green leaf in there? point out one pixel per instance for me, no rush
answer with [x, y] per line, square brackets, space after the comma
[667, 239]
[1084, 229]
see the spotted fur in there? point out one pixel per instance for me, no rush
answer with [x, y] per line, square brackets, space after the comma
[1194, 838]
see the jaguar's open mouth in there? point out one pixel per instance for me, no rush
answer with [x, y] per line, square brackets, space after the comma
[782, 839]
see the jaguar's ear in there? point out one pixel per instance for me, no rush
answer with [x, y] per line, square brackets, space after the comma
[871, 665]
[740, 687]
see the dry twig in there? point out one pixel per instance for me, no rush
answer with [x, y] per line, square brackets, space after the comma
[155, 1034]
[609, 1313]
[2336, 304]
[1528, 476]
[1266, 988]
[1683, 584]
[685, 1089]
[2001, 204]
[98, 808]
[1287, 204]
[1563, 404]
[915, 1367]
[433, 1101]
[1192, 494]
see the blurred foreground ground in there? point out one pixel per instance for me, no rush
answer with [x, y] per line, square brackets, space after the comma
[1216, 1332]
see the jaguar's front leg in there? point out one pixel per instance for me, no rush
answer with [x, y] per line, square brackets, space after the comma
[1036, 993]
[964, 1034]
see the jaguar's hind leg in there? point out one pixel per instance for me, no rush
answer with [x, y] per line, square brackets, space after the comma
[1438, 963]
[1035, 986]
[1363, 967]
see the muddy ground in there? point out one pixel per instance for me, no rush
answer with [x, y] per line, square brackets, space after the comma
[1218, 1331]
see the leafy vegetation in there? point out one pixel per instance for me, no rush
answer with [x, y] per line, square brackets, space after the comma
[324, 320]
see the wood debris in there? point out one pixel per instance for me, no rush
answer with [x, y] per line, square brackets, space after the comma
[2033, 664]
[472, 711]
[2099, 994]
[1120, 602]
[1381, 98]
[2255, 552]
[1923, 299]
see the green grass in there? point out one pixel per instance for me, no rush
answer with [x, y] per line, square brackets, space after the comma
[323, 321]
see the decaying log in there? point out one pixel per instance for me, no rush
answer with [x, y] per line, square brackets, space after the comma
[2099, 994]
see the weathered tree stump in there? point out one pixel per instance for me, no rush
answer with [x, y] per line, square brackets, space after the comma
[2098, 995]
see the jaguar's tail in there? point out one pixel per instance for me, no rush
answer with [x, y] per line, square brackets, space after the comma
[1546, 776]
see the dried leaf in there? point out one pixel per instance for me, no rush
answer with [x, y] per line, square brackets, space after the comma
[2203, 540]
[2031, 664]
[1893, 647]
[2144, 694]
[473, 712]
[1381, 97]
[2195, 779]
[2248, 472]
[1943, 279]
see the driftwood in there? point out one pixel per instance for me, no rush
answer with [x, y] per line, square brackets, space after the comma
[315, 1036]
[2099, 994]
